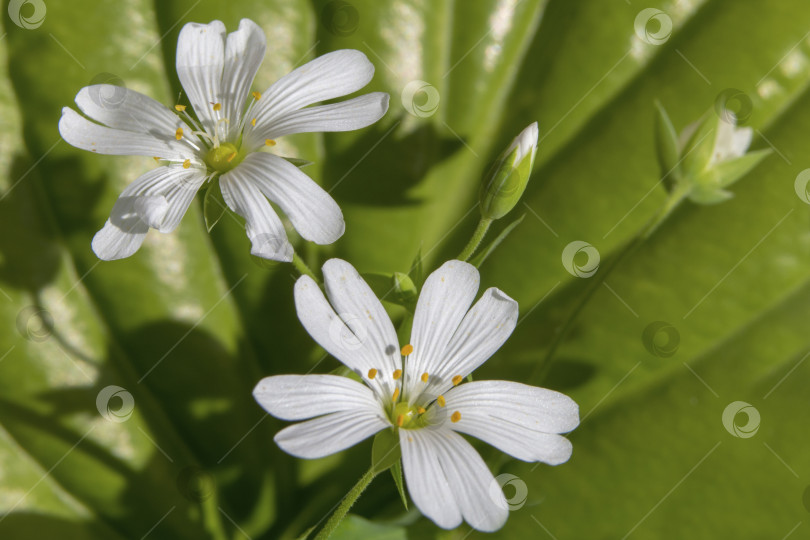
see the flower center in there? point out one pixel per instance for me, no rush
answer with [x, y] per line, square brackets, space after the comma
[224, 157]
[406, 416]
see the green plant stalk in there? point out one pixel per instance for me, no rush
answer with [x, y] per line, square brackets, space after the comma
[346, 504]
[673, 201]
[302, 267]
[475, 241]
[212, 520]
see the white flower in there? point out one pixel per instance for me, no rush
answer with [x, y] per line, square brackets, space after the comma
[421, 397]
[231, 126]
[731, 141]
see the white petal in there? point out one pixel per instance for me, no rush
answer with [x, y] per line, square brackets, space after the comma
[200, 62]
[347, 115]
[123, 233]
[444, 300]
[518, 419]
[120, 108]
[298, 397]
[448, 480]
[360, 343]
[244, 52]
[332, 75]
[82, 133]
[263, 227]
[179, 198]
[332, 433]
[312, 211]
[484, 329]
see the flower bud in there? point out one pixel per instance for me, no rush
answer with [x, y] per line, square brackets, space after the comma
[507, 179]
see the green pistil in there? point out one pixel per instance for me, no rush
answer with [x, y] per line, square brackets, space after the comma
[407, 416]
[224, 157]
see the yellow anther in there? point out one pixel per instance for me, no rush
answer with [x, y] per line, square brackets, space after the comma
[253, 122]
[400, 420]
[269, 142]
[406, 350]
[178, 134]
[230, 157]
[372, 373]
[455, 417]
[397, 374]
[440, 401]
[256, 95]
[396, 394]
[420, 410]
[156, 159]
[425, 377]
[179, 108]
[187, 164]
[217, 106]
[457, 380]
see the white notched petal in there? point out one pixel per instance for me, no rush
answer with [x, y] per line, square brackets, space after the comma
[520, 420]
[347, 337]
[347, 115]
[265, 230]
[121, 108]
[730, 142]
[445, 298]
[82, 133]
[200, 63]
[312, 211]
[448, 480]
[329, 434]
[525, 142]
[244, 52]
[483, 330]
[124, 232]
[298, 397]
[332, 75]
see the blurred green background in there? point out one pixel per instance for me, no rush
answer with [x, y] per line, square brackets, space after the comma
[189, 324]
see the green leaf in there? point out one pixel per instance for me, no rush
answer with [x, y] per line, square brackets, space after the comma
[396, 473]
[385, 452]
[667, 148]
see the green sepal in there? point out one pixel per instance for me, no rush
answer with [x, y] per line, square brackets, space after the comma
[707, 187]
[385, 451]
[667, 148]
[396, 472]
[396, 288]
[417, 271]
[214, 206]
[504, 185]
[697, 152]
[300, 163]
[479, 259]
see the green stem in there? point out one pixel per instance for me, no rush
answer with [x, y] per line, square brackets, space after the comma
[302, 267]
[475, 241]
[344, 506]
[212, 519]
[674, 200]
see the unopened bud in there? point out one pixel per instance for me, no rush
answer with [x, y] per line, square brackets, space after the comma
[508, 178]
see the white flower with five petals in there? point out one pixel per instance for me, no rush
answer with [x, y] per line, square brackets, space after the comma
[223, 139]
[421, 396]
